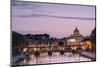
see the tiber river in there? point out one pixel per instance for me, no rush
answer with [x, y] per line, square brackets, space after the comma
[55, 58]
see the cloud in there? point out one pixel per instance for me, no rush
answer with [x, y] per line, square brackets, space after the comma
[39, 8]
[25, 5]
[53, 16]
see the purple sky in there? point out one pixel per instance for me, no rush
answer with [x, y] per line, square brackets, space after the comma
[58, 20]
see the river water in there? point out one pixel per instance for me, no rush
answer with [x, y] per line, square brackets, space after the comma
[56, 58]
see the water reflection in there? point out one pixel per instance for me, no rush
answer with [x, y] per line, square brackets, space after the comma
[56, 58]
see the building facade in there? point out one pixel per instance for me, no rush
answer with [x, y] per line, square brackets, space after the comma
[75, 38]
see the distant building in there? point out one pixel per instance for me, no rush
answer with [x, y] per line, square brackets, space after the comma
[87, 44]
[75, 38]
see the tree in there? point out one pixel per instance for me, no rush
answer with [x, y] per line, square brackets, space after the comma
[93, 36]
[46, 35]
[17, 39]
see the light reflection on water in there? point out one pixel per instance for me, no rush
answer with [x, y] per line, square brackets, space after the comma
[56, 58]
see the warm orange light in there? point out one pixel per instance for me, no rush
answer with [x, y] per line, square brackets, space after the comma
[72, 40]
[25, 49]
[88, 42]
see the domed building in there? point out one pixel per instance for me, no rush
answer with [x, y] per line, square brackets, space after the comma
[75, 38]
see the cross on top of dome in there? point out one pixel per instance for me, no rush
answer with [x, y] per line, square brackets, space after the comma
[76, 30]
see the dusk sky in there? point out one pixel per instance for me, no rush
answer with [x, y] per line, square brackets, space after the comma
[58, 20]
